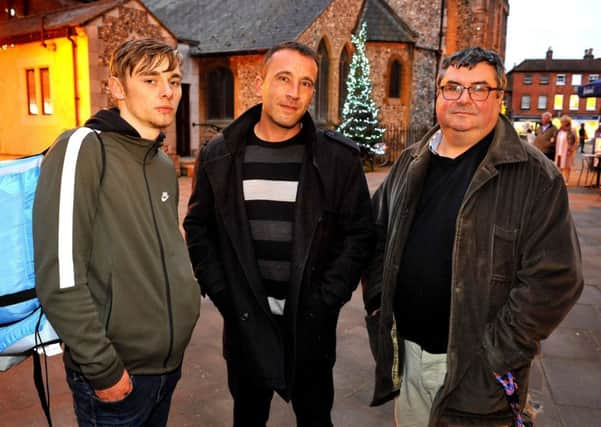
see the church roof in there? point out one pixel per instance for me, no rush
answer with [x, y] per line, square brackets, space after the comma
[30, 28]
[229, 26]
[238, 26]
[383, 24]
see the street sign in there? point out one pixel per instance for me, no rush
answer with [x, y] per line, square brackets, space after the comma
[592, 89]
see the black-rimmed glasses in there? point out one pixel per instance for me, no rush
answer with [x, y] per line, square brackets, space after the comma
[478, 92]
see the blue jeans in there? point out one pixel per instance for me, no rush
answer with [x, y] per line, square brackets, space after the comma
[147, 404]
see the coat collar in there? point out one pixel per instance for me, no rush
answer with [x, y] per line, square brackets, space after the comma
[225, 175]
[235, 135]
[505, 147]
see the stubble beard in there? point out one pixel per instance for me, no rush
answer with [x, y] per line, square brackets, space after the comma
[285, 125]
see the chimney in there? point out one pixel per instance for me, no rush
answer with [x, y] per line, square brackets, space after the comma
[588, 53]
[549, 57]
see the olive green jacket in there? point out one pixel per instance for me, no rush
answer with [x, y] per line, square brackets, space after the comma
[112, 269]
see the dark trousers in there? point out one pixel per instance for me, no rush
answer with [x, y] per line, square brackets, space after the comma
[312, 398]
[147, 404]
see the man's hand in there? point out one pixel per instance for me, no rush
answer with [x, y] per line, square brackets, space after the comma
[117, 392]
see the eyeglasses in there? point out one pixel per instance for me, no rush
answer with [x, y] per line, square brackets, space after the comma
[452, 91]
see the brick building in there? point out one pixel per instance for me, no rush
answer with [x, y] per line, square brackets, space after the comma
[406, 39]
[223, 42]
[539, 85]
[54, 60]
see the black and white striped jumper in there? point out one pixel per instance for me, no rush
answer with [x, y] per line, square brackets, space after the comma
[270, 182]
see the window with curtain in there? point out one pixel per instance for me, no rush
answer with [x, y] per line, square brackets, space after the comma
[32, 103]
[45, 91]
[574, 102]
[542, 102]
[558, 102]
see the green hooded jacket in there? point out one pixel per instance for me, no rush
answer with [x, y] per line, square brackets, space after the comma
[112, 269]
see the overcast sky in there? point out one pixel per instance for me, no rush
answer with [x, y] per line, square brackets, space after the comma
[567, 26]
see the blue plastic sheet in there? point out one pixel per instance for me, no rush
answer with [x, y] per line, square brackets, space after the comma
[18, 181]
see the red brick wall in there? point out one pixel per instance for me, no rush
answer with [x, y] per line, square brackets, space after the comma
[550, 90]
[394, 112]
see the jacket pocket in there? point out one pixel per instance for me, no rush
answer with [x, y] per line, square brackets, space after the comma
[479, 393]
[108, 306]
[325, 246]
[503, 253]
[317, 330]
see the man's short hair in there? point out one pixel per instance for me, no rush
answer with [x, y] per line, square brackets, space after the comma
[291, 45]
[143, 55]
[472, 56]
[547, 114]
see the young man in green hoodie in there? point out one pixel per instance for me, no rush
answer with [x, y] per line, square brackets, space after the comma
[112, 270]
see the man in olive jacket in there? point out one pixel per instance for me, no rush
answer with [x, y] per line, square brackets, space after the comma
[112, 270]
[544, 139]
[477, 259]
[279, 229]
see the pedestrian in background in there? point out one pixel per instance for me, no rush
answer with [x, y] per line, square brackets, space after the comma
[596, 141]
[565, 147]
[112, 271]
[530, 135]
[545, 136]
[583, 136]
[477, 259]
[279, 229]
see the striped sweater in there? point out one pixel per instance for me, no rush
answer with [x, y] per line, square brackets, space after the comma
[270, 182]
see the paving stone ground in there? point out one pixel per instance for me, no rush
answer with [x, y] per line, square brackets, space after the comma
[566, 376]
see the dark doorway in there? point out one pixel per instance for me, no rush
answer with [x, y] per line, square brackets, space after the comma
[220, 95]
[182, 122]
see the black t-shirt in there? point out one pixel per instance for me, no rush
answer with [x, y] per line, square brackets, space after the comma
[423, 294]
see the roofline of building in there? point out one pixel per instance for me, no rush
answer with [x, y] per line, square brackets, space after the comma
[389, 41]
[37, 36]
[257, 51]
[313, 21]
[68, 29]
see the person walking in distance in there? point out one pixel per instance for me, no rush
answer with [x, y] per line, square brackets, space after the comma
[565, 147]
[112, 270]
[545, 136]
[582, 136]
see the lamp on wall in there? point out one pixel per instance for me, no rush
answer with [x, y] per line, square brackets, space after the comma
[51, 46]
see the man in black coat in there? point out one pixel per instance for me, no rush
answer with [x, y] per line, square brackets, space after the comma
[279, 228]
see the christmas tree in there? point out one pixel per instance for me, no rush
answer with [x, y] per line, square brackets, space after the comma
[360, 114]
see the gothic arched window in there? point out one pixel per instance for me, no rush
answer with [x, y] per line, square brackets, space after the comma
[321, 93]
[343, 75]
[394, 84]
